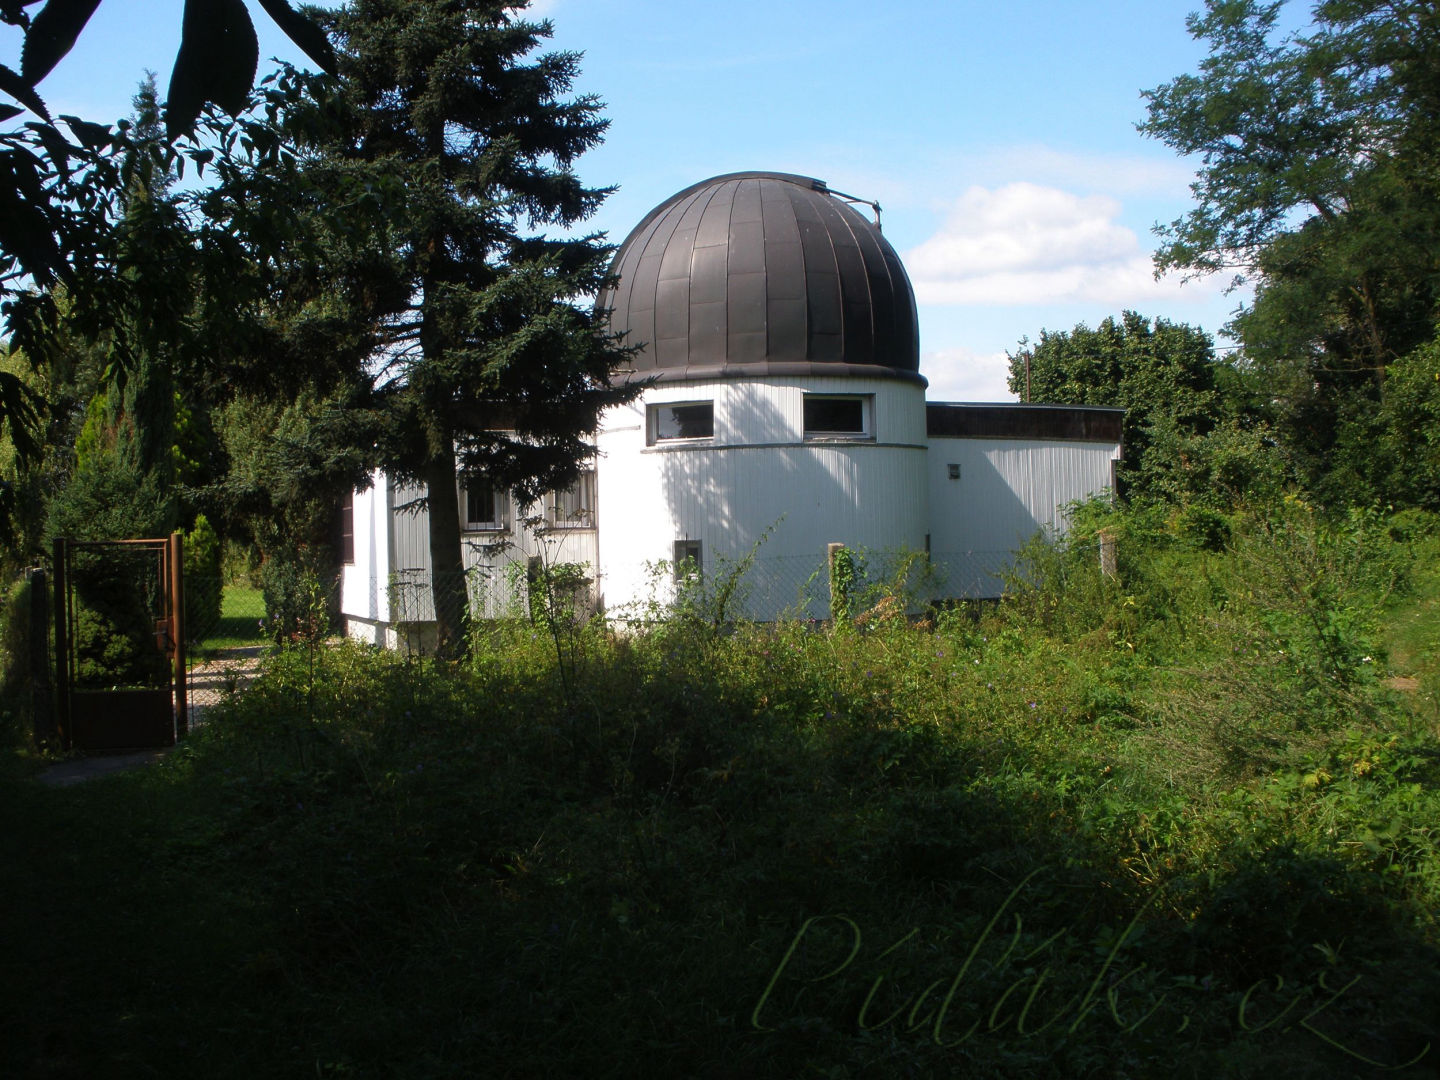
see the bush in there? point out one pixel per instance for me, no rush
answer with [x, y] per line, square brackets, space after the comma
[18, 662]
[203, 590]
[300, 602]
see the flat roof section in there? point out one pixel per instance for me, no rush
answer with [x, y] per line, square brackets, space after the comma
[1070, 423]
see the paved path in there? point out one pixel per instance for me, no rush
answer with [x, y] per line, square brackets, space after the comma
[210, 681]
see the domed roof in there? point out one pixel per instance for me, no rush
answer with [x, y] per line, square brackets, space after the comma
[762, 274]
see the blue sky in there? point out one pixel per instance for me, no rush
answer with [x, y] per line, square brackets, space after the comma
[999, 138]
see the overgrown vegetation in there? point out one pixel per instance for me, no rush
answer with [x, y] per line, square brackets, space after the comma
[1178, 820]
[1175, 823]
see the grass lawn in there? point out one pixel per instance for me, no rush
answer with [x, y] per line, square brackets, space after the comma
[242, 609]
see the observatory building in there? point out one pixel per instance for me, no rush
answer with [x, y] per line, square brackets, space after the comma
[778, 342]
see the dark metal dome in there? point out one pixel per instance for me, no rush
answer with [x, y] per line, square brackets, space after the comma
[762, 274]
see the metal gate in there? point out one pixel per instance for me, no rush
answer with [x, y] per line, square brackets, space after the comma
[120, 643]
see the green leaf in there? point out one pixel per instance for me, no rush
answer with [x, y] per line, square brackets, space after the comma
[22, 92]
[92, 136]
[216, 62]
[303, 32]
[51, 35]
[9, 112]
[55, 145]
[25, 230]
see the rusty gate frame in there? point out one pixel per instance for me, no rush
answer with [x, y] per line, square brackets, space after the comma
[76, 729]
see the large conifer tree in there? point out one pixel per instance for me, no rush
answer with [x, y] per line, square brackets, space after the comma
[491, 365]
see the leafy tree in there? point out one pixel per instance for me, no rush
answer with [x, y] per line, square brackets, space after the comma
[1163, 374]
[1319, 182]
[491, 362]
[1402, 465]
[59, 181]
[285, 461]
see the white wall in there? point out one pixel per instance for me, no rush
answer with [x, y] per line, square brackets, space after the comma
[364, 601]
[1008, 490]
[758, 473]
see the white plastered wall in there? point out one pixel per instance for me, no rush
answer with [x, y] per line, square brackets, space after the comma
[364, 598]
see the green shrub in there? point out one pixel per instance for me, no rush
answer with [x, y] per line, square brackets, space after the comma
[299, 600]
[203, 588]
[17, 664]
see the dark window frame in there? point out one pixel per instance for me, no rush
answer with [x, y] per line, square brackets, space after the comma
[688, 553]
[499, 519]
[583, 493]
[654, 435]
[813, 426]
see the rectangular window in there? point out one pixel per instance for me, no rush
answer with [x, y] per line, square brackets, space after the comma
[687, 560]
[347, 527]
[486, 508]
[839, 416]
[574, 508]
[680, 421]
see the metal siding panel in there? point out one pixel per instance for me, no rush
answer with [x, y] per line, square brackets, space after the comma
[672, 319]
[745, 317]
[884, 312]
[862, 494]
[747, 202]
[708, 270]
[785, 328]
[903, 342]
[842, 224]
[784, 263]
[714, 227]
[1008, 490]
[747, 247]
[707, 333]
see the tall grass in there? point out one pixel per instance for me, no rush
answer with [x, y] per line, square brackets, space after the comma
[1171, 824]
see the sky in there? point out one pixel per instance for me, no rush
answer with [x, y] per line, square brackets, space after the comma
[999, 138]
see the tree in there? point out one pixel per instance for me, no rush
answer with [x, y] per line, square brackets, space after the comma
[1164, 375]
[1319, 182]
[492, 364]
[58, 181]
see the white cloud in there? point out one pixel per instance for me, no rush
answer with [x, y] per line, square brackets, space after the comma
[1116, 173]
[962, 374]
[1024, 243]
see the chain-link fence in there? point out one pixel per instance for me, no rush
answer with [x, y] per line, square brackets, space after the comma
[756, 587]
[230, 623]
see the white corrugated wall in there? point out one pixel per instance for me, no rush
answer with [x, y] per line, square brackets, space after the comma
[1007, 491]
[758, 474]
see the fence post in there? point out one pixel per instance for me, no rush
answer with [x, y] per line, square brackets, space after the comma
[62, 645]
[1108, 565]
[839, 594]
[177, 602]
[42, 714]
